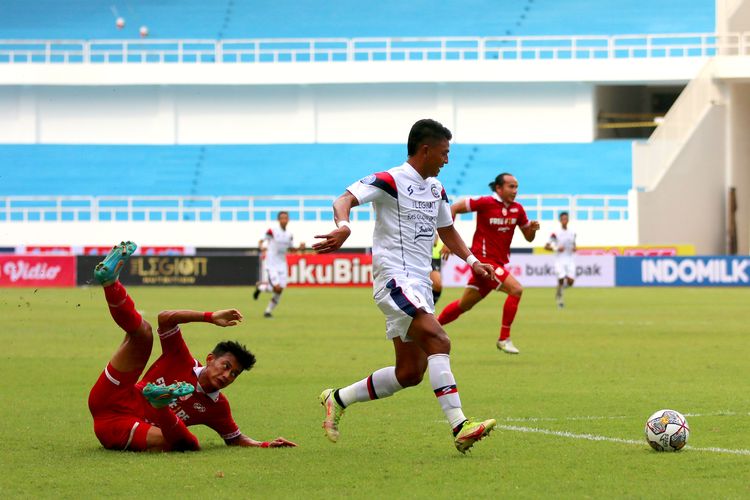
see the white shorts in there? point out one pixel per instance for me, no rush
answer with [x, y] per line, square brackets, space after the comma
[276, 275]
[565, 268]
[400, 299]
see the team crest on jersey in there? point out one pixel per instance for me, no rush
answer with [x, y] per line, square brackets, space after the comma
[369, 179]
[422, 230]
[199, 407]
[435, 191]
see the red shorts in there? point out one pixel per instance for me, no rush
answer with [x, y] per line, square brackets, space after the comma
[486, 285]
[115, 404]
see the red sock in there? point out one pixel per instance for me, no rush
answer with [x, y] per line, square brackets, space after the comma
[175, 432]
[509, 314]
[450, 313]
[122, 308]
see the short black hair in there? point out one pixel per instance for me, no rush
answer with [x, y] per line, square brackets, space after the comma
[426, 130]
[563, 213]
[283, 212]
[244, 357]
[499, 181]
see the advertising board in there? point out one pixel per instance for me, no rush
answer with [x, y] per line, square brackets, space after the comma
[539, 270]
[683, 271]
[37, 271]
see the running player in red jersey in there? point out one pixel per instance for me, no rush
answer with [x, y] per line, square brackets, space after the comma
[176, 391]
[497, 217]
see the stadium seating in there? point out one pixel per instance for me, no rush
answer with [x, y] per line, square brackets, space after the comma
[84, 19]
[601, 167]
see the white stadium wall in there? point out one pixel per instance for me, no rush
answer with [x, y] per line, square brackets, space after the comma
[685, 171]
[247, 234]
[732, 16]
[325, 113]
[687, 204]
[739, 160]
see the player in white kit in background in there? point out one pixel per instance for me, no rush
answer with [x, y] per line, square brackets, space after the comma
[410, 205]
[563, 243]
[275, 243]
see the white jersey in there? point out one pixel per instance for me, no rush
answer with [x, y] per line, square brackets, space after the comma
[278, 241]
[563, 241]
[408, 209]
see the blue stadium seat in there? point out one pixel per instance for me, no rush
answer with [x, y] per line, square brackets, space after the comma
[602, 167]
[85, 19]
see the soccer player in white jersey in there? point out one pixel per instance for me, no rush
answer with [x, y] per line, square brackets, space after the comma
[410, 204]
[275, 243]
[563, 243]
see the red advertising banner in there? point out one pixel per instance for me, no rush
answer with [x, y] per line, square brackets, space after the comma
[633, 251]
[144, 250]
[337, 269]
[44, 250]
[37, 271]
[99, 250]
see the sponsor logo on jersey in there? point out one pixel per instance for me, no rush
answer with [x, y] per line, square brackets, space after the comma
[416, 188]
[424, 205]
[503, 221]
[513, 210]
[505, 212]
[422, 230]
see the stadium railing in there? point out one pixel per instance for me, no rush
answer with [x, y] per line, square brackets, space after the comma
[261, 208]
[374, 49]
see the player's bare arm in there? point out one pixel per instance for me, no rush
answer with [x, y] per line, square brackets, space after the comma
[529, 232]
[551, 245]
[445, 252]
[453, 240]
[223, 318]
[459, 207]
[243, 440]
[341, 210]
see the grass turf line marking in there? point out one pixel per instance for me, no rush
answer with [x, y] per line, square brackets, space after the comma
[593, 437]
[616, 417]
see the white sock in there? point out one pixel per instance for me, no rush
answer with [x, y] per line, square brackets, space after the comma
[444, 385]
[273, 302]
[379, 385]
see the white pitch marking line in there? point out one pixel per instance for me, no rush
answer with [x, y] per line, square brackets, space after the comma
[616, 417]
[592, 437]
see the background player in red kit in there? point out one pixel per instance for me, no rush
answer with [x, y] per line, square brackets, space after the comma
[177, 391]
[497, 217]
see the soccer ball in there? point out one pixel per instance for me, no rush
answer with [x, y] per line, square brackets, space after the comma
[667, 430]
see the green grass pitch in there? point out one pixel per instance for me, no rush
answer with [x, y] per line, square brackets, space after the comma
[570, 408]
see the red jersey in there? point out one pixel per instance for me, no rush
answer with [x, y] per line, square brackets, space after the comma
[496, 223]
[176, 364]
